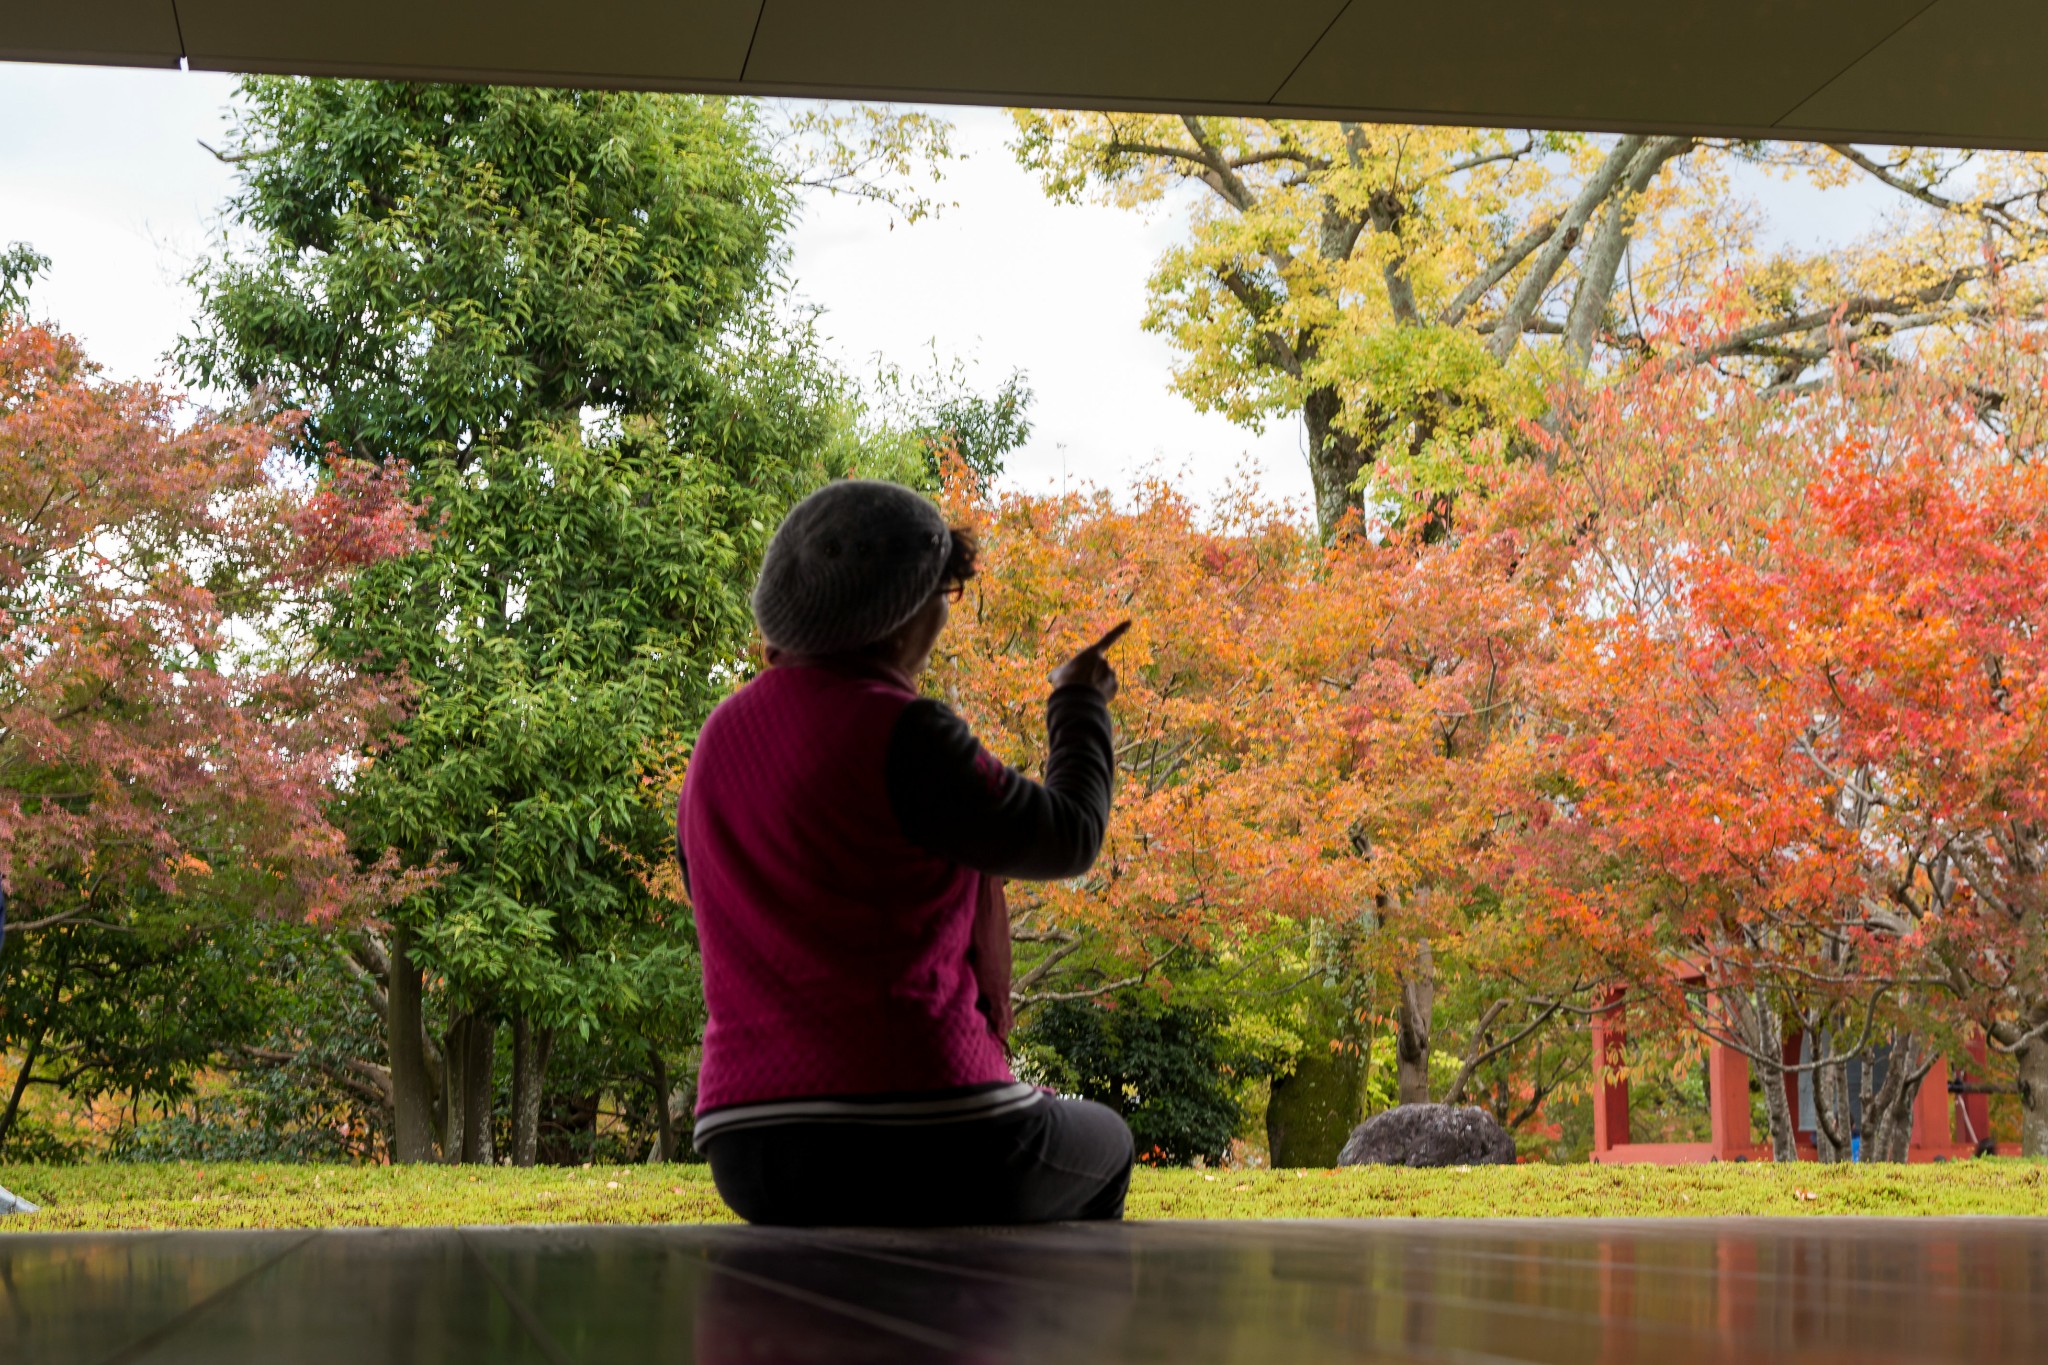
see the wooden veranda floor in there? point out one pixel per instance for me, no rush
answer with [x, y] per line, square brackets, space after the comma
[1575, 1293]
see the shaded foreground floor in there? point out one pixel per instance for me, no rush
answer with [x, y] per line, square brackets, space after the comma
[1472, 1292]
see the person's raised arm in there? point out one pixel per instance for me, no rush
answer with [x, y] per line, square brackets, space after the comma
[955, 799]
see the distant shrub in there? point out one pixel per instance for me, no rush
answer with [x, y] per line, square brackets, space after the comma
[32, 1141]
[1169, 1069]
[219, 1130]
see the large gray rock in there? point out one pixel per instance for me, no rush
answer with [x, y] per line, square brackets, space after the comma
[14, 1203]
[1429, 1135]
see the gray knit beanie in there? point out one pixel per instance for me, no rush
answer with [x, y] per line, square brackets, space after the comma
[849, 564]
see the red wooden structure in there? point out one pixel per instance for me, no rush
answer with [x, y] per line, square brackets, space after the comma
[1945, 1126]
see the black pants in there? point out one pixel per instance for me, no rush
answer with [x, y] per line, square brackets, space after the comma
[1056, 1160]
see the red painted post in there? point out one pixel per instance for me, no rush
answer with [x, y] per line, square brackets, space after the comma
[1610, 1101]
[1973, 1112]
[1932, 1124]
[1728, 1101]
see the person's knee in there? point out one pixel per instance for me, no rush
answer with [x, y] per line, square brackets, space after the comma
[1113, 1151]
[1125, 1143]
[1100, 1133]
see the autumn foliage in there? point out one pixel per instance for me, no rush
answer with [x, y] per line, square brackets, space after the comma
[163, 724]
[1752, 684]
[1816, 749]
[1748, 685]
[1328, 756]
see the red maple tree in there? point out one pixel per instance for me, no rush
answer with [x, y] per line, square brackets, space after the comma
[164, 720]
[1816, 750]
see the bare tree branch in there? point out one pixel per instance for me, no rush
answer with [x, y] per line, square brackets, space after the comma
[1610, 240]
[1503, 265]
[236, 158]
[1221, 177]
[1294, 155]
[1846, 310]
[1560, 243]
[1490, 158]
[1043, 967]
[1253, 300]
[1024, 1002]
[1475, 1060]
[1885, 175]
[365, 1080]
[370, 969]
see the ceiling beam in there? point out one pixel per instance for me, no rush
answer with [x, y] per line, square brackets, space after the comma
[1957, 72]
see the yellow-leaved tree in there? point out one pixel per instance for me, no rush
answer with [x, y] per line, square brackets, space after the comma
[1407, 291]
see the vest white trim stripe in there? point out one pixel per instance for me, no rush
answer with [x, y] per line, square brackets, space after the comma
[977, 1104]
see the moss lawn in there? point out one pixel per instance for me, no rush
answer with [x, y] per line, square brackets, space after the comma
[280, 1196]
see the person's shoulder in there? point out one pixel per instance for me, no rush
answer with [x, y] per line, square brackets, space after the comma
[930, 731]
[853, 687]
[805, 698]
[931, 715]
[743, 707]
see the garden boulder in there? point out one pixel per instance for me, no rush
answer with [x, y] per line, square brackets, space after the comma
[13, 1203]
[1429, 1135]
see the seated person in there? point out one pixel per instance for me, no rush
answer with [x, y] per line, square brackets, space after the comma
[842, 842]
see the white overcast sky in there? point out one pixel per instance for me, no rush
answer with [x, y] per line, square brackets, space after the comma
[102, 170]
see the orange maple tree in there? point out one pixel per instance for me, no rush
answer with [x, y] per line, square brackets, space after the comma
[1326, 755]
[1709, 681]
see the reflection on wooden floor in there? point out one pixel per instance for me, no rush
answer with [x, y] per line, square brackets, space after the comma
[1869, 1290]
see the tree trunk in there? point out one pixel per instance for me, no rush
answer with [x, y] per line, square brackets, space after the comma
[1866, 1101]
[1784, 1132]
[530, 1048]
[2033, 1060]
[21, 1080]
[1610, 242]
[470, 1050]
[455, 1061]
[1888, 1117]
[1766, 1036]
[1313, 1108]
[1845, 1115]
[664, 1117]
[1536, 281]
[2032, 1056]
[1900, 1140]
[1335, 459]
[412, 1092]
[474, 1040]
[60, 972]
[1416, 1019]
[1830, 1082]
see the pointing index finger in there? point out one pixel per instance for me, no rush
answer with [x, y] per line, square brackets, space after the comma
[1110, 637]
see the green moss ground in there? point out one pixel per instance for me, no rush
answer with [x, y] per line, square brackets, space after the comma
[248, 1196]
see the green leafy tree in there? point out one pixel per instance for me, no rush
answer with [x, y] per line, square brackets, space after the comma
[131, 1009]
[565, 634]
[942, 415]
[555, 307]
[20, 265]
[439, 267]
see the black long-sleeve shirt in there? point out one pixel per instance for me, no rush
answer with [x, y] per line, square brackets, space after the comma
[953, 798]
